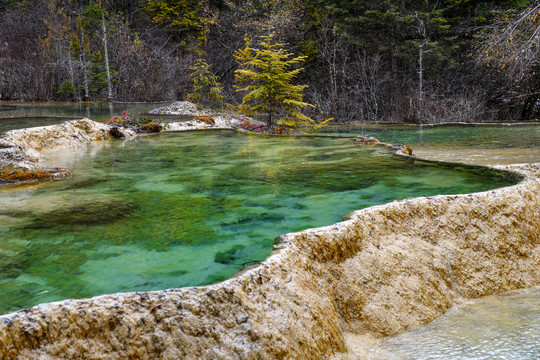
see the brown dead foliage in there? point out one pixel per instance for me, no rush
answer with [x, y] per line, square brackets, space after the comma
[152, 127]
[206, 119]
[15, 176]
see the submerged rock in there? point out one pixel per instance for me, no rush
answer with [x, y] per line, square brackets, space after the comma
[23, 176]
[90, 212]
[229, 256]
[404, 150]
[366, 139]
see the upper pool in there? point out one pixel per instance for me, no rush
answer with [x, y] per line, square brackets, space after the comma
[524, 135]
[479, 144]
[15, 115]
[182, 209]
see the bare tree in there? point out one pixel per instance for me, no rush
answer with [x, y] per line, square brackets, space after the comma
[511, 49]
[422, 32]
[330, 43]
[106, 53]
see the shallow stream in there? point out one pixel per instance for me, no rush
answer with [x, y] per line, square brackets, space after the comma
[496, 327]
[479, 144]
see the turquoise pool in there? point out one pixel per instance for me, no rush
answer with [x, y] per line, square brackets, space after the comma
[183, 209]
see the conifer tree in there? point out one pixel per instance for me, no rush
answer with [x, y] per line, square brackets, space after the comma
[94, 13]
[181, 17]
[206, 86]
[266, 75]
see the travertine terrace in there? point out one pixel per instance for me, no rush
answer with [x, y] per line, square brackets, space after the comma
[382, 270]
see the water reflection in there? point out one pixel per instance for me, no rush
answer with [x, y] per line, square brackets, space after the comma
[23, 115]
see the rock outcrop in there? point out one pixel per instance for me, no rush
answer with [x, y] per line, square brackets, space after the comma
[402, 150]
[204, 118]
[382, 270]
[182, 108]
[69, 134]
[219, 122]
[15, 157]
[20, 149]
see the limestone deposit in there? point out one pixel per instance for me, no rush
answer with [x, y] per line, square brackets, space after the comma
[220, 122]
[182, 108]
[402, 150]
[20, 149]
[69, 134]
[323, 292]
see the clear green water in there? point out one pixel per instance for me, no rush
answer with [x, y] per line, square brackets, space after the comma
[15, 115]
[497, 327]
[472, 144]
[193, 208]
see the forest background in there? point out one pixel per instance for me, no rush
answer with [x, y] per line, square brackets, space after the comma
[365, 60]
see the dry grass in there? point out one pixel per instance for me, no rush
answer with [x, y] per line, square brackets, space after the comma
[206, 119]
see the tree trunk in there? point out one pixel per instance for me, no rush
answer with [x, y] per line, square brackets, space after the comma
[82, 58]
[422, 31]
[270, 100]
[106, 53]
[394, 93]
[270, 111]
[71, 74]
[527, 109]
[420, 83]
[330, 59]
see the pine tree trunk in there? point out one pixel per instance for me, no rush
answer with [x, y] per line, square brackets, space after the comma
[270, 101]
[270, 110]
